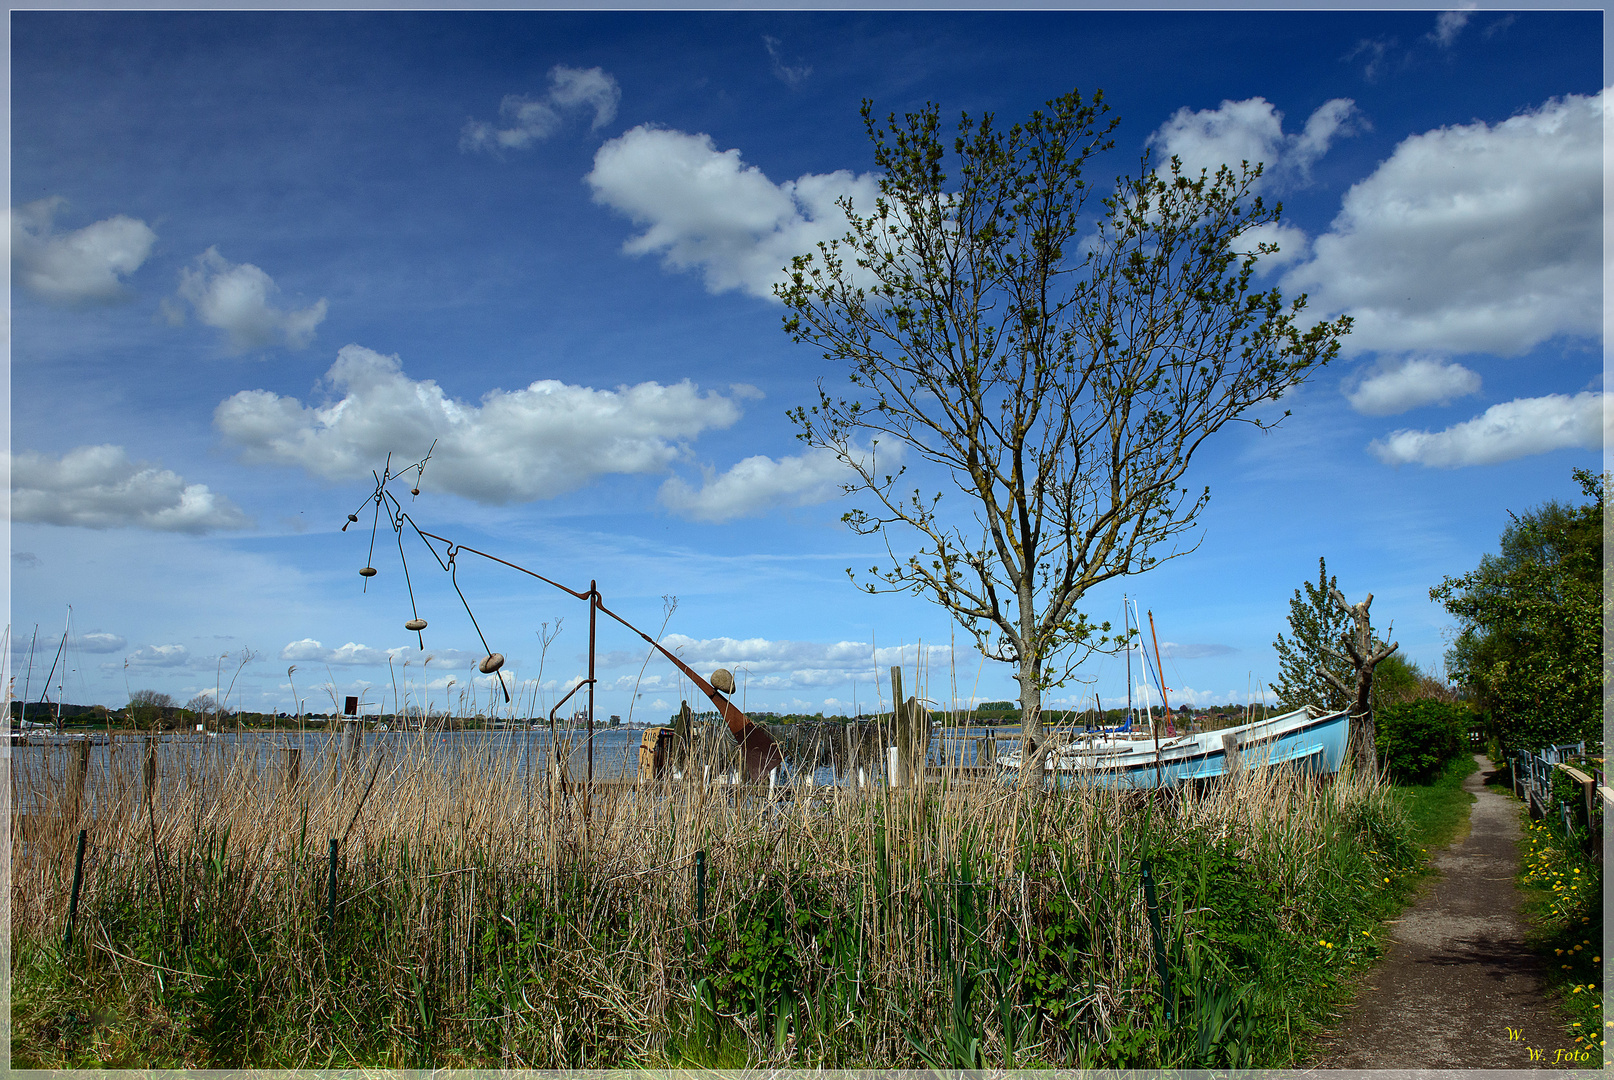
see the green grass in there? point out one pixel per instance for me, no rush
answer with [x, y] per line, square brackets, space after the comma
[977, 928]
[1437, 813]
[1563, 903]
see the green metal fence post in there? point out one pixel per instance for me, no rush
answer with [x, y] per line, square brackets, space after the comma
[330, 894]
[1161, 965]
[700, 890]
[78, 879]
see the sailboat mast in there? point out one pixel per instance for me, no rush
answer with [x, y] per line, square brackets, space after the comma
[29, 678]
[1125, 622]
[45, 694]
[1159, 672]
[61, 689]
[1143, 658]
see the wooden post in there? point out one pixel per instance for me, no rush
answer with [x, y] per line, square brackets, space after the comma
[81, 775]
[149, 774]
[291, 768]
[1231, 757]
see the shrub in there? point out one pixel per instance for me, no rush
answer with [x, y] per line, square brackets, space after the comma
[1415, 739]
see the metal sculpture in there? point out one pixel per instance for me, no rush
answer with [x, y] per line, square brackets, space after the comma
[759, 754]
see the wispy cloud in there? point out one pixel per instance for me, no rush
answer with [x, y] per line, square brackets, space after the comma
[524, 120]
[789, 74]
[759, 484]
[1448, 24]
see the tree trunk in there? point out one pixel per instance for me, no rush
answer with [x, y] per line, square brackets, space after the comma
[1364, 656]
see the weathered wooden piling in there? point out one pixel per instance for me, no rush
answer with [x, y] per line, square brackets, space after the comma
[149, 771]
[81, 775]
[291, 768]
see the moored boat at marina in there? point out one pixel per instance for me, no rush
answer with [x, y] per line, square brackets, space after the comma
[1307, 739]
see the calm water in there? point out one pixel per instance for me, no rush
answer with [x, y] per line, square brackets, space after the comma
[615, 752]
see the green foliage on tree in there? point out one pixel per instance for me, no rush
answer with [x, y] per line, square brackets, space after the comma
[1530, 642]
[1056, 366]
[1415, 739]
[1315, 623]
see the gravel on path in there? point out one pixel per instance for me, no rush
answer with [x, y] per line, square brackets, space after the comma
[1458, 987]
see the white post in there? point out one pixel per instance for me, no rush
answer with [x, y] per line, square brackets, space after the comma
[891, 757]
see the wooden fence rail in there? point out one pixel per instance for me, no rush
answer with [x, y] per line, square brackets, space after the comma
[1532, 781]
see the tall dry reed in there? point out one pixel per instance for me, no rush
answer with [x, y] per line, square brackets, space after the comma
[484, 917]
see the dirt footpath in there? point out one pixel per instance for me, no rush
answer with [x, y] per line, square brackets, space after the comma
[1457, 987]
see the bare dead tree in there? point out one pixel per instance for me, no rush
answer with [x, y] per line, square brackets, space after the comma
[1364, 651]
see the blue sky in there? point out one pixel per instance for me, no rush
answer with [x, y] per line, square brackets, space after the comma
[252, 253]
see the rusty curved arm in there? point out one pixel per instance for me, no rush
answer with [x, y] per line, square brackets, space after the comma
[737, 721]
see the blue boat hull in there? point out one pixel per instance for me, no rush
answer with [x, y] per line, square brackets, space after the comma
[1297, 740]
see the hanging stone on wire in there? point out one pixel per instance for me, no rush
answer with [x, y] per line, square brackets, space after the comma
[415, 624]
[491, 663]
[367, 571]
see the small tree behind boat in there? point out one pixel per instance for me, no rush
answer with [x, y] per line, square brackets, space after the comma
[1314, 622]
[1063, 374]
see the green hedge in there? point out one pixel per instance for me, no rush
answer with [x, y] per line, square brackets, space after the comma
[1415, 739]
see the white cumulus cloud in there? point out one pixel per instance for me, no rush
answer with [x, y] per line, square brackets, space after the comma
[705, 209]
[524, 120]
[99, 641]
[760, 483]
[1513, 429]
[86, 265]
[1252, 131]
[308, 650]
[237, 298]
[166, 656]
[1402, 384]
[1473, 238]
[517, 445]
[766, 665]
[98, 487]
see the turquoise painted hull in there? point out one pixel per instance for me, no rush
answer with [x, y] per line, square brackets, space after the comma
[1298, 740]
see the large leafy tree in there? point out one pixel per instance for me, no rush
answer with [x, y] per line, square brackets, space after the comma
[1530, 641]
[1060, 367]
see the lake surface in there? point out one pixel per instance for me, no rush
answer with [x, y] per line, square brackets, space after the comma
[615, 755]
